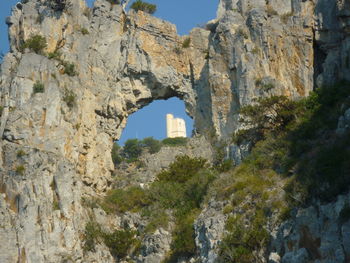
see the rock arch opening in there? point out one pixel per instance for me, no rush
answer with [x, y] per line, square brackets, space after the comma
[150, 121]
[183, 13]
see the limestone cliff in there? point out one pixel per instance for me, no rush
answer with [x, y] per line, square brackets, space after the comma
[56, 145]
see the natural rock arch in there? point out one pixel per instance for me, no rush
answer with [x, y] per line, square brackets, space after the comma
[126, 61]
[123, 63]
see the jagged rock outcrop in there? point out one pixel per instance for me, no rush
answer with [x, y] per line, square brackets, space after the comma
[56, 145]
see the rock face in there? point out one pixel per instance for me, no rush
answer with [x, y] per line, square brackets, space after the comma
[56, 145]
[319, 233]
[209, 229]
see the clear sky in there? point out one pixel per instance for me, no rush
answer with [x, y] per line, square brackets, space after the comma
[155, 116]
[149, 121]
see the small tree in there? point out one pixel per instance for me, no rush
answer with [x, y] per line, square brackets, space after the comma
[186, 43]
[268, 115]
[144, 6]
[132, 148]
[120, 242]
[35, 43]
[69, 69]
[182, 169]
[38, 87]
[152, 144]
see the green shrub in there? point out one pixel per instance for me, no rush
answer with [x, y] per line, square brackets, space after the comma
[38, 87]
[92, 234]
[267, 87]
[243, 240]
[178, 141]
[69, 69]
[224, 166]
[186, 179]
[183, 244]
[166, 194]
[1, 110]
[144, 6]
[181, 188]
[20, 169]
[227, 209]
[130, 199]
[21, 153]
[132, 149]
[322, 170]
[55, 205]
[36, 43]
[324, 173]
[84, 31]
[153, 145]
[54, 55]
[158, 218]
[299, 136]
[295, 139]
[271, 114]
[186, 43]
[182, 169]
[120, 242]
[69, 98]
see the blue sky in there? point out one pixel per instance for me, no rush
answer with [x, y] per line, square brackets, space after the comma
[149, 121]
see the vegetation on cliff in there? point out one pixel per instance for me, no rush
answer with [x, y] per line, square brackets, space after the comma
[296, 157]
[120, 242]
[133, 148]
[35, 43]
[298, 140]
[296, 154]
[175, 196]
[144, 6]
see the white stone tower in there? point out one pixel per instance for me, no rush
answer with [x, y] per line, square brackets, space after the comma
[175, 127]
